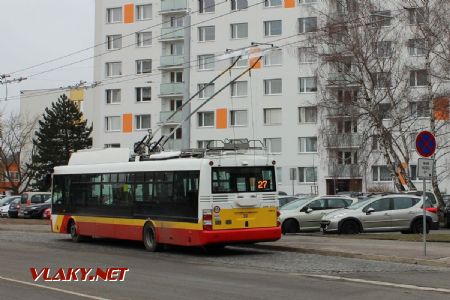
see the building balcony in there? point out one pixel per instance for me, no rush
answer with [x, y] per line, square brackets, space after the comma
[171, 33]
[342, 79]
[339, 171]
[171, 61]
[342, 111]
[342, 141]
[171, 6]
[176, 119]
[171, 89]
[172, 144]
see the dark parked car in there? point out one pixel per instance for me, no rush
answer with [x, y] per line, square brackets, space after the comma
[447, 214]
[14, 207]
[35, 211]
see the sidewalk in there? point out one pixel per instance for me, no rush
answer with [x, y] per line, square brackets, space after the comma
[438, 254]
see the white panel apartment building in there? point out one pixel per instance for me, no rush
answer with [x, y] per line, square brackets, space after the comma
[142, 75]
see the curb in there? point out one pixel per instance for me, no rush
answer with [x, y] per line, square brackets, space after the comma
[396, 259]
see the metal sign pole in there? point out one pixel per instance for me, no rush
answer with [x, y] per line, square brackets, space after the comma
[424, 219]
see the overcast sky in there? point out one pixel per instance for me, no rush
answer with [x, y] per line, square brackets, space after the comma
[35, 31]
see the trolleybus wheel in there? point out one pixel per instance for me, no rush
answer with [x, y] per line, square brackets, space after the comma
[149, 237]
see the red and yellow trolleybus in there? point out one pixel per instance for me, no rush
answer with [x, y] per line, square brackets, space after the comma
[218, 198]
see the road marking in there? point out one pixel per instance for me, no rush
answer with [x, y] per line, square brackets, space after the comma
[53, 288]
[380, 283]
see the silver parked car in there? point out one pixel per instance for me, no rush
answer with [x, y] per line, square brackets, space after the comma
[396, 212]
[304, 215]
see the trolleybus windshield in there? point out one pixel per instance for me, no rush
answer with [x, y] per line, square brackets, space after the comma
[243, 179]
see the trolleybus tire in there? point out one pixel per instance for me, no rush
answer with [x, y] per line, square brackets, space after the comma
[76, 237]
[149, 238]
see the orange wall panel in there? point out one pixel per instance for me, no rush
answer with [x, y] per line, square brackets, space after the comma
[221, 118]
[127, 123]
[441, 109]
[289, 3]
[128, 13]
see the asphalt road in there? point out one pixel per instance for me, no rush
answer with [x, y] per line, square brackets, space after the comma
[180, 273]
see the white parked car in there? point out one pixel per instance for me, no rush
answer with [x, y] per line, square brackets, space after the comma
[304, 215]
[4, 204]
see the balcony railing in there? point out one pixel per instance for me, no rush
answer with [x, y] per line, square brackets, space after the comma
[175, 88]
[164, 115]
[171, 61]
[172, 145]
[343, 140]
[342, 79]
[170, 33]
[343, 111]
[335, 170]
[168, 6]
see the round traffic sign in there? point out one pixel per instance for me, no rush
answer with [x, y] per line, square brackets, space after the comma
[425, 144]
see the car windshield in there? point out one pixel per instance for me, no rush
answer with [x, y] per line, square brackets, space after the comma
[48, 201]
[294, 204]
[359, 204]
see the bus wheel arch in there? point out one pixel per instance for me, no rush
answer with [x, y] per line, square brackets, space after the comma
[72, 229]
[150, 237]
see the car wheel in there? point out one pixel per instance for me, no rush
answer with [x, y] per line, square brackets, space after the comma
[290, 226]
[406, 231]
[149, 237]
[417, 226]
[349, 227]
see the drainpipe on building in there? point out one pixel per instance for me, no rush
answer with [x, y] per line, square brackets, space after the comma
[186, 126]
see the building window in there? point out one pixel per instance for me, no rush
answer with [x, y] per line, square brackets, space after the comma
[207, 92]
[176, 22]
[113, 69]
[416, 47]
[383, 49]
[307, 55]
[273, 86]
[143, 66]
[307, 1]
[273, 145]
[113, 96]
[279, 174]
[142, 122]
[205, 119]
[347, 157]
[241, 63]
[307, 114]
[381, 173]
[114, 15]
[238, 117]
[112, 123]
[176, 76]
[113, 145]
[381, 18]
[308, 144]
[114, 42]
[384, 110]
[206, 33]
[382, 80]
[307, 24]
[143, 94]
[272, 28]
[307, 174]
[206, 62]
[143, 12]
[239, 4]
[420, 109]
[272, 116]
[416, 15]
[176, 48]
[175, 104]
[273, 3]
[144, 39]
[273, 58]
[206, 6]
[307, 84]
[346, 126]
[418, 78]
[239, 89]
[239, 30]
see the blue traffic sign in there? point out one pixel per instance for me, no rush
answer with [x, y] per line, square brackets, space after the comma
[425, 144]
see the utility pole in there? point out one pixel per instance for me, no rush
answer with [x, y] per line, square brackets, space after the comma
[5, 81]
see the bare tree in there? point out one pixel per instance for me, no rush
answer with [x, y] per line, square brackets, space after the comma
[15, 150]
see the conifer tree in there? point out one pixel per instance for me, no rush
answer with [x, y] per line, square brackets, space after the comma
[61, 132]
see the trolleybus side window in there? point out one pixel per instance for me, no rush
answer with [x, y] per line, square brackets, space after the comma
[58, 196]
[163, 190]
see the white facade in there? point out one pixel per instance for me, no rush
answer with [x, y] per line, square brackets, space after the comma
[276, 102]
